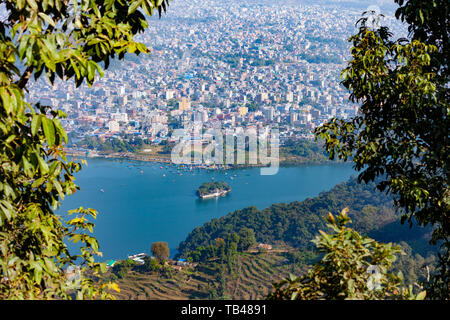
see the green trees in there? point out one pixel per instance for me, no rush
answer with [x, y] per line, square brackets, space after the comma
[212, 187]
[121, 268]
[111, 144]
[352, 267]
[61, 39]
[223, 249]
[400, 135]
[160, 251]
[246, 239]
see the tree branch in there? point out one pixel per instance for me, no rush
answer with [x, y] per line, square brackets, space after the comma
[22, 82]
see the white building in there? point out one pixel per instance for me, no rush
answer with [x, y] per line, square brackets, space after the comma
[113, 126]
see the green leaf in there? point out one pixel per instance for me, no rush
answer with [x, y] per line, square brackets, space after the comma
[38, 182]
[43, 165]
[47, 19]
[136, 4]
[421, 296]
[91, 70]
[35, 124]
[421, 16]
[60, 129]
[27, 166]
[20, 4]
[32, 4]
[6, 208]
[59, 189]
[75, 238]
[6, 99]
[49, 130]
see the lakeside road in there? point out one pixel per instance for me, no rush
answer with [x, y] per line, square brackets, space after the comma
[283, 161]
[118, 155]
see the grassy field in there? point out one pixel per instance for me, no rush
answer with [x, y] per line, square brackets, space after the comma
[251, 278]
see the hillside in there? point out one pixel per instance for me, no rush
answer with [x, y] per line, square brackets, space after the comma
[251, 278]
[249, 274]
[297, 223]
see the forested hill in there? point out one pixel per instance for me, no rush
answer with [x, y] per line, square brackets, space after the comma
[297, 223]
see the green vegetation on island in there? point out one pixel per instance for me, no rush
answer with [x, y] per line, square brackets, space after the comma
[213, 189]
[296, 224]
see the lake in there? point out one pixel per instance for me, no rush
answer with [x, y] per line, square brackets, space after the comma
[141, 202]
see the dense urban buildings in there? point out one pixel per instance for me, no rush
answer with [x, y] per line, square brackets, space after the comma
[221, 64]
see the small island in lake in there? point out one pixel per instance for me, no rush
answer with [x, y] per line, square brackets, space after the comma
[213, 189]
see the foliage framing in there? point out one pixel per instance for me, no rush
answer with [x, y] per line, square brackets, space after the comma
[400, 136]
[343, 273]
[64, 39]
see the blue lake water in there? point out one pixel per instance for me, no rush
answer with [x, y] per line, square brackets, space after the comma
[140, 203]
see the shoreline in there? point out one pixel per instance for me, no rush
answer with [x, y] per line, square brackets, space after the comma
[134, 157]
[119, 156]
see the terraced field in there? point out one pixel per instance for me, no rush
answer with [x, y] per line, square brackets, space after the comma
[256, 273]
[252, 278]
[136, 286]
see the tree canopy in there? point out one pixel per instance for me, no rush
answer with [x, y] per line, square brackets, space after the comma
[160, 250]
[400, 134]
[352, 267]
[65, 39]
